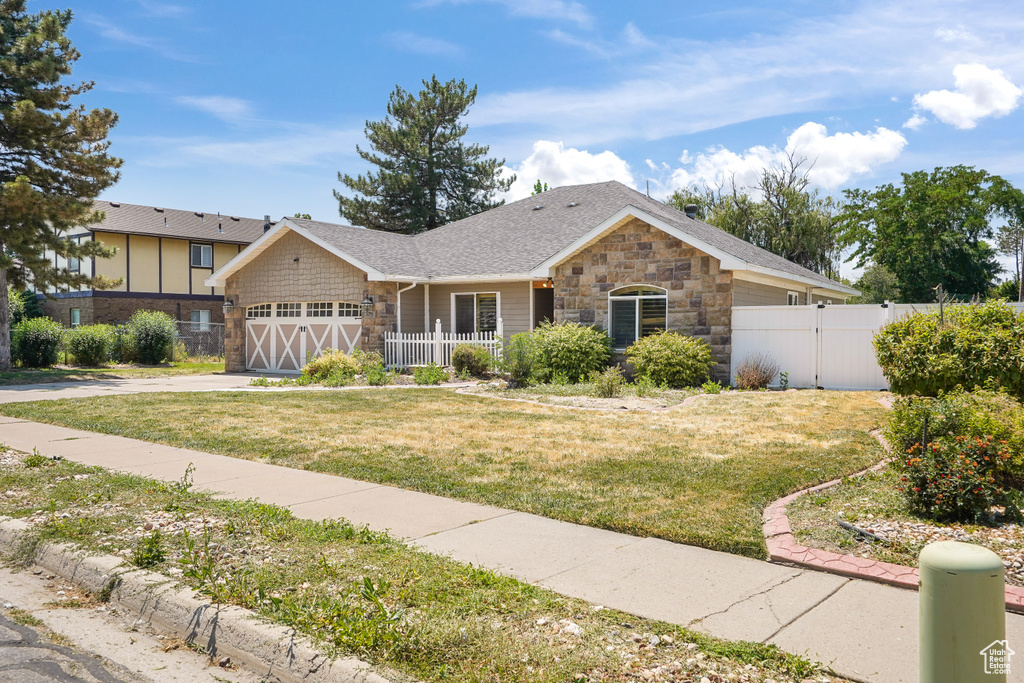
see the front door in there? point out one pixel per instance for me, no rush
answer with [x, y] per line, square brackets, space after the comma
[543, 305]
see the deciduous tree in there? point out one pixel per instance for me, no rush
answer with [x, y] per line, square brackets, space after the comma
[54, 157]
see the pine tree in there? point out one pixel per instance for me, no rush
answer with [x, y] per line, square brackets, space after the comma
[427, 176]
[53, 157]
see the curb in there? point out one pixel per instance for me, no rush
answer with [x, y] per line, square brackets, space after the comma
[274, 652]
[782, 547]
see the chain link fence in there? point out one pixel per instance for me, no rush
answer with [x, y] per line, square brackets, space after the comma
[198, 341]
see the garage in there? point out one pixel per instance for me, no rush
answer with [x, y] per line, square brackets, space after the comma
[282, 336]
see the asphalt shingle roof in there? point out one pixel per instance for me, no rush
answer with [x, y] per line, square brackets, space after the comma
[515, 238]
[135, 219]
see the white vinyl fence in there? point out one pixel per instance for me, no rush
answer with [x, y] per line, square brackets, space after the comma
[819, 346]
[424, 348]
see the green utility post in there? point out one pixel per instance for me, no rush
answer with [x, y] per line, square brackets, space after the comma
[963, 615]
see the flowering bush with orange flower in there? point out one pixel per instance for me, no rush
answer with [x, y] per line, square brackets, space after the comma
[953, 480]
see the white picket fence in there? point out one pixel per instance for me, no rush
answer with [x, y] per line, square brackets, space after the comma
[424, 348]
[819, 346]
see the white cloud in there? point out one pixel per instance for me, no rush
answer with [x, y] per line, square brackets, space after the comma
[555, 165]
[951, 35]
[422, 45]
[538, 9]
[980, 92]
[230, 109]
[835, 158]
[116, 34]
[915, 122]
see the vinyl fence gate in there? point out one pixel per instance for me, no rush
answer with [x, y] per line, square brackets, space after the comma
[819, 346]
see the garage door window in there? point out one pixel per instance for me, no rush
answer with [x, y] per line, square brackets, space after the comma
[289, 310]
[319, 309]
[347, 310]
[258, 311]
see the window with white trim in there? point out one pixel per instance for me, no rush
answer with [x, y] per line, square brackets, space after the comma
[476, 313]
[200, 320]
[347, 310]
[289, 310]
[258, 311]
[792, 298]
[76, 317]
[319, 309]
[202, 256]
[634, 312]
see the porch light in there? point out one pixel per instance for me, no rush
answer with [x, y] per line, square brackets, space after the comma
[229, 305]
[367, 305]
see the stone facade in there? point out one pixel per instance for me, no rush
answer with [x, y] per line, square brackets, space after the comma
[699, 295]
[114, 310]
[234, 329]
[383, 317]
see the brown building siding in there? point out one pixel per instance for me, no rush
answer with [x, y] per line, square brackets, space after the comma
[514, 308]
[756, 294]
[118, 309]
[699, 294]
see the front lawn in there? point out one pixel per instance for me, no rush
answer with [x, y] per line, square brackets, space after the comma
[67, 373]
[354, 591]
[701, 474]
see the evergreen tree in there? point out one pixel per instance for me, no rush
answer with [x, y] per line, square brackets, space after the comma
[53, 157]
[426, 175]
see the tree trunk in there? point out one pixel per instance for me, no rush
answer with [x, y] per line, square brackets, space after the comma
[5, 323]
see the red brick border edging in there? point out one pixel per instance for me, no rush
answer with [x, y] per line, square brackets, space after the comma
[782, 547]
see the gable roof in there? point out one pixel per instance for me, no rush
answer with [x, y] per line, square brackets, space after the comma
[137, 219]
[519, 240]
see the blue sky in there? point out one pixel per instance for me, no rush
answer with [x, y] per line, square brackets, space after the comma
[253, 107]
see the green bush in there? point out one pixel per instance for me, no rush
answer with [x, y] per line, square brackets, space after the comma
[570, 352]
[471, 359]
[430, 374]
[952, 480]
[969, 345]
[122, 345]
[671, 359]
[333, 364]
[152, 334]
[372, 366]
[36, 342]
[607, 383]
[981, 414]
[521, 360]
[90, 344]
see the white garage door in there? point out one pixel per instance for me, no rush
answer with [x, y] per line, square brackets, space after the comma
[282, 337]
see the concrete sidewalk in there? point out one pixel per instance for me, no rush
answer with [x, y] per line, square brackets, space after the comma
[865, 631]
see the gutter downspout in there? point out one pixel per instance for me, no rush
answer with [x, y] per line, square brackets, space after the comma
[399, 297]
[426, 307]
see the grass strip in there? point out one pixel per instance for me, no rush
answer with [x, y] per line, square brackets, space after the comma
[72, 374]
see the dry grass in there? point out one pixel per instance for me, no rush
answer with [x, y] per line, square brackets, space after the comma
[69, 373]
[700, 474]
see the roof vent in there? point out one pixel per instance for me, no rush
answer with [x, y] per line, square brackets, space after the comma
[158, 209]
[165, 221]
[690, 210]
[219, 229]
[538, 207]
[116, 205]
[234, 218]
[266, 222]
[202, 216]
[572, 204]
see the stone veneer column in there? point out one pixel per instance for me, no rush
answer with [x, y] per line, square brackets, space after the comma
[234, 329]
[384, 316]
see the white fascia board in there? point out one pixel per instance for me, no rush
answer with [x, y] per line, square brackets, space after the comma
[546, 269]
[268, 238]
[777, 278]
[464, 279]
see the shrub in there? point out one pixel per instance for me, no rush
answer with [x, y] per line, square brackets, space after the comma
[671, 359]
[152, 334]
[607, 383]
[331, 364]
[36, 342]
[968, 345]
[122, 345]
[571, 351]
[756, 371]
[430, 374]
[952, 480]
[471, 359]
[521, 360]
[710, 387]
[981, 414]
[90, 344]
[372, 366]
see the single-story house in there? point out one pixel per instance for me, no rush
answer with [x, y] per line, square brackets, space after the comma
[163, 259]
[599, 254]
